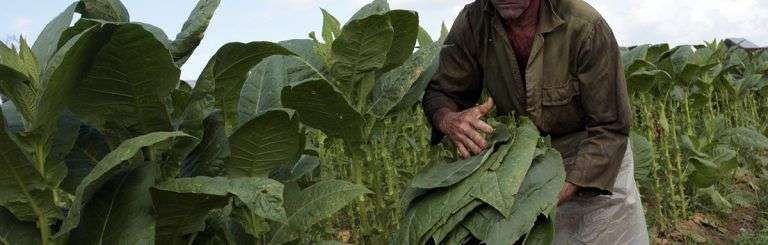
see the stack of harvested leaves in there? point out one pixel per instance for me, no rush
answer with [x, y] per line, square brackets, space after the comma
[506, 194]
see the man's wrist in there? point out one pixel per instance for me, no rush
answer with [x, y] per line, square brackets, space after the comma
[440, 116]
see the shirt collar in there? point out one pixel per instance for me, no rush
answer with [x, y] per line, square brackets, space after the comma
[549, 19]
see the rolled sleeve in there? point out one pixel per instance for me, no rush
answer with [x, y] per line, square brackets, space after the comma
[457, 83]
[606, 106]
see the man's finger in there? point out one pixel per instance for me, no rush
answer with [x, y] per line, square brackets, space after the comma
[486, 107]
[482, 126]
[462, 149]
[469, 144]
[478, 139]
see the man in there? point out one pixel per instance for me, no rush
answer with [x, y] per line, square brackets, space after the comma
[556, 62]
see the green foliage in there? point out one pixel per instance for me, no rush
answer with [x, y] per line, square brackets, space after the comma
[98, 123]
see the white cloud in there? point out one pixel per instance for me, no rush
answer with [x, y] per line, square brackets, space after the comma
[685, 21]
[21, 24]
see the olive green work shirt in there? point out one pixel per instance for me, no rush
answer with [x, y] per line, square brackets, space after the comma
[574, 89]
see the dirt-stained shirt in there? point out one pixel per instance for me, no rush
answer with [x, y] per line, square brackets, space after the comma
[574, 88]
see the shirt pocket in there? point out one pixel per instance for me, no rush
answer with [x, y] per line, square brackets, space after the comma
[558, 95]
[561, 112]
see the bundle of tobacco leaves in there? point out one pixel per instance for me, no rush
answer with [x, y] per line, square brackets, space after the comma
[504, 195]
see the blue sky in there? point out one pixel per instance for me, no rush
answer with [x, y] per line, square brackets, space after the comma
[633, 21]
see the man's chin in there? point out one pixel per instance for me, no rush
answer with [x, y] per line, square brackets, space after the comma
[510, 13]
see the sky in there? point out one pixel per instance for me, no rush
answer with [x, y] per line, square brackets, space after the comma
[633, 21]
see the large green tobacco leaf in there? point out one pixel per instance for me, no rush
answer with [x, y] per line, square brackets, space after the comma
[537, 195]
[322, 106]
[23, 190]
[108, 10]
[47, 42]
[57, 146]
[266, 80]
[193, 30]
[304, 167]
[507, 184]
[744, 137]
[90, 147]
[448, 174]
[439, 233]
[182, 205]
[120, 175]
[222, 79]
[180, 98]
[395, 84]
[542, 233]
[14, 231]
[314, 204]
[515, 165]
[406, 29]
[207, 159]
[643, 155]
[430, 208]
[361, 49]
[305, 48]
[67, 66]
[375, 7]
[120, 212]
[117, 99]
[265, 143]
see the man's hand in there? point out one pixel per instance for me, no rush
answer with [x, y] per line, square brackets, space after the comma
[464, 128]
[568, 191]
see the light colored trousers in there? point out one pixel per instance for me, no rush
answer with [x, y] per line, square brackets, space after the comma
[614, 219]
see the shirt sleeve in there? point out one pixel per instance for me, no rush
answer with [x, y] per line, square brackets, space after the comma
[605, 101]
[457, 83]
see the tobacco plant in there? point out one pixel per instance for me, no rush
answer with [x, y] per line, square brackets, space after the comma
[102, 143]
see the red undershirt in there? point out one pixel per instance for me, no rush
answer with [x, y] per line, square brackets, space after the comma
[521, 32]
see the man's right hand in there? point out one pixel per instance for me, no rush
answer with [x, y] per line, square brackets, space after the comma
[464, 128]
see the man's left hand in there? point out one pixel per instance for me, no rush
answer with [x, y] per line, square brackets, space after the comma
[568, 191]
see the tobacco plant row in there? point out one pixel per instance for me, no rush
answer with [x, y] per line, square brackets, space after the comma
[102, 143]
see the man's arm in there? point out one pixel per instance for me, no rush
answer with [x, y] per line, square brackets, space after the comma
[455, 87]
[606, 103]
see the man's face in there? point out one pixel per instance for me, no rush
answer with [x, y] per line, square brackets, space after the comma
[511, 9]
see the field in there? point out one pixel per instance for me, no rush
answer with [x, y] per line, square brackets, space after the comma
[315, 140]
